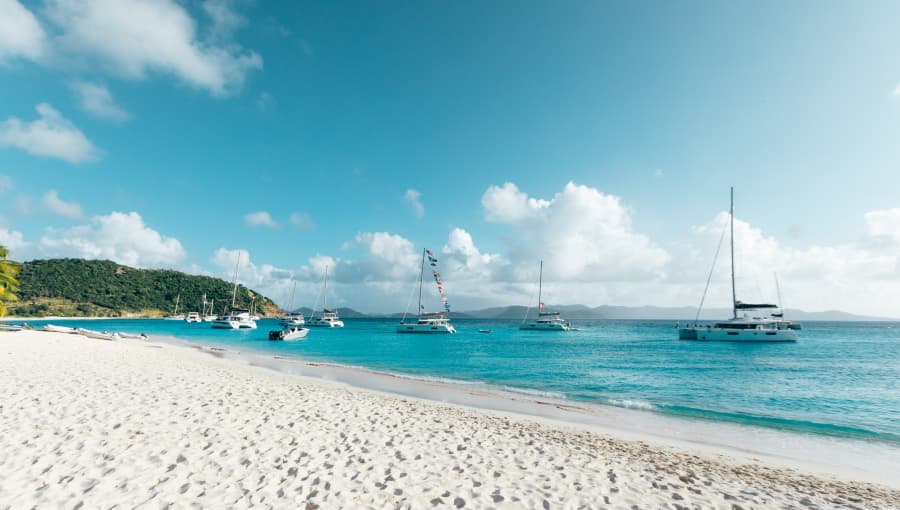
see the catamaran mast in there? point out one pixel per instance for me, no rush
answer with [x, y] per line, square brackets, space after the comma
[325, 292]
[540, 286]
[733, 291]
[234, 292]
[421, 276]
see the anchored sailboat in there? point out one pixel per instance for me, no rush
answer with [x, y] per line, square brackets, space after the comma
[546, 321]
[290, 317]
[237, 318]
[429, 322]
[329, 318]
[175, 315]
[748, 327]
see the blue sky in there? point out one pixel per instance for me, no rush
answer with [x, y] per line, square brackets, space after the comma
[330, 114]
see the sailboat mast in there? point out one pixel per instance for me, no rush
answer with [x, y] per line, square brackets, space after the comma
[733, 290]
[778, 289]
[421, 276]
[234, 292]
[293, 291]
[325, 292]
[540, 287]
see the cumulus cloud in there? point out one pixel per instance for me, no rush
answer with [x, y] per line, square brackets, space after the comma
[581, 233]
[21, 35]
[413, 197]
[98, 101]
[137, 37]
[57, 206]
[121, 237]
[50, 135]
[14, 241]
[259, 218]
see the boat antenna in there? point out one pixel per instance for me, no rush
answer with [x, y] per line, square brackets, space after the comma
[421, 276]
[234, 279]
[733, 290]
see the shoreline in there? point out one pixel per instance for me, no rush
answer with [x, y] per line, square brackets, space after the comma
[834, 456]
[132, 421]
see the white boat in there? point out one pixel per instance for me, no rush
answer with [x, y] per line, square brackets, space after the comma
[97, 334]
[289, 333]
[237, 318]
[132, 336]
[175, 315]
[329, 318]
[193, 317]
[428, 322]
[59, 329]
[749, 322]
[292, 318]
[208, 315]
[545, 321]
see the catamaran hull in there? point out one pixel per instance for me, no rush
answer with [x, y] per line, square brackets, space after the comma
[425, 328]
[544, 327]
[744, 335]
[225, 324]
[325, 324]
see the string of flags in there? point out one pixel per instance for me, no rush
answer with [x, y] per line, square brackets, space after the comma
[437, 279]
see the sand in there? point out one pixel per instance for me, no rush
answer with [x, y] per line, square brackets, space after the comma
[134, 424]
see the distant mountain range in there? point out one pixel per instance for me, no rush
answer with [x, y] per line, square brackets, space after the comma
[681, 313]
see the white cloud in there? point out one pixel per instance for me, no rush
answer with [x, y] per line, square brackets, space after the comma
[97, 100]
[259, 218]
[20, 33]
[121, 237]
[51, 135]
[413, 197]
[14, 242]
[884, 223]
[6, 183]
[505, 204]
[302, 221]
[59, 207]
[137, 37]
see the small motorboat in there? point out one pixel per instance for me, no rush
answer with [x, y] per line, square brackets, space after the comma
[10, 327]
[105, 335]
[288, 334]
[132, 336]
[485, 331]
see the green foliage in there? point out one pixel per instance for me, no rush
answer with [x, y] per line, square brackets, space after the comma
[76, 287]
[9, 285]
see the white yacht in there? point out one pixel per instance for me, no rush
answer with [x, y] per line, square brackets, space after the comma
[292, 318]
[545, 321]
[329, 318]
[237, 318]
[749, 321]
[175, 315]
[193, 317]
[429, 322]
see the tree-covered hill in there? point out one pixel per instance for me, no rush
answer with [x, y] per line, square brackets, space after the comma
[101, 288]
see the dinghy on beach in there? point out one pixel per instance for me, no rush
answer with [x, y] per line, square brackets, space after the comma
[97, 335]
[59, 329]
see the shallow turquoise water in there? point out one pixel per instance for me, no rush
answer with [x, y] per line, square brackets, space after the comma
[840, 379]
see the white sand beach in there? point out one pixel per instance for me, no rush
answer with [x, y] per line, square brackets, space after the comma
[134, 424]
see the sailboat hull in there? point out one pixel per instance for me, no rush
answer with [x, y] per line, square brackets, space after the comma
[426, 328]
[744, 335]
[537, 326]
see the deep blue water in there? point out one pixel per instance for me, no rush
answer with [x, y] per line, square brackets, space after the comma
[840, 379]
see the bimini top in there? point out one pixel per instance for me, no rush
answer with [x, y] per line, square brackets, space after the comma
[544, 314]
[738, 305]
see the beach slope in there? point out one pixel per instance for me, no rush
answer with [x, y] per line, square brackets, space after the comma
[97, 424]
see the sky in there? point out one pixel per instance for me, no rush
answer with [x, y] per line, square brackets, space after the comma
[600, 137]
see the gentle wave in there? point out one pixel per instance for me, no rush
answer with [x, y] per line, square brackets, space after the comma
[631, 404]
[535, 393]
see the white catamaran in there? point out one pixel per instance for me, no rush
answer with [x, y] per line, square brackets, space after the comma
[290, 317]
[237, 318]
[429, 322]
[753, 325]
[546, 321]
[329, 318]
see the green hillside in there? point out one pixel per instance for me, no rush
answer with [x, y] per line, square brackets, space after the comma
[101, 288]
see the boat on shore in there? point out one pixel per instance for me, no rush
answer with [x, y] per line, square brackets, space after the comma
[329, 318]
[545, 321]
[97, 335]
[59, 329]
[429, 322]
[749, 321]
[289, 333]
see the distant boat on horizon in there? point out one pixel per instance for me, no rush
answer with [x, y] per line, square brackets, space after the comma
[429, 322]
[546, 321]
[329, 318]
[745, 327]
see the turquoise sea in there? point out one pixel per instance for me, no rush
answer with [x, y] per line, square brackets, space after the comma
[840, 379]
